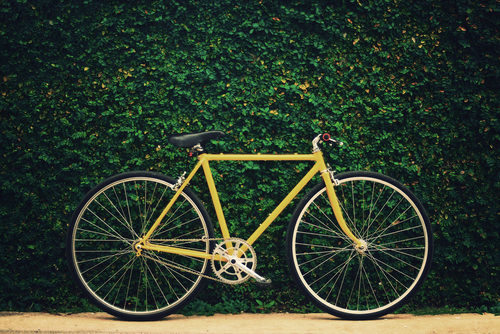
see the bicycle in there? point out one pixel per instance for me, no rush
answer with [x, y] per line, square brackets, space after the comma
[141, 244]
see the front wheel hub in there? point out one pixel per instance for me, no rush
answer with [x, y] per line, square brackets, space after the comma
[137, 247]
[362, 247]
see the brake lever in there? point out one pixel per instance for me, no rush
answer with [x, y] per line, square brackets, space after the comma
[336, 142]
[324, 138]
[328, 139]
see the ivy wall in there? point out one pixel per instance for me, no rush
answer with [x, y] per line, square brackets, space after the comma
[92, 88]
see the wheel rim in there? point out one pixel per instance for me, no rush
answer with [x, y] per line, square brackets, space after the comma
[103, 247]
[353, 281]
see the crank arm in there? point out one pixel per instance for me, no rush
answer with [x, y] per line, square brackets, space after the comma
[234, 261]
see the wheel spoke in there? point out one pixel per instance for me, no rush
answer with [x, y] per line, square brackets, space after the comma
[114, 257]
[371, 288]
[156, 235]
[338, 233]
[169, 220]
[398, 250]
[369, 222]
[121, 211]
[116, 218]
[338, 274]
[392, 268]
[328, 205]
[385, 273]
[104, 257]
[325, 229]
[400, 241]
[319, 264]
[383, 207]
[341, 266]
[156, 206]
[120, 280]
[381, 235]
[390, 213]
[148, 270]
[167, 281]
[170, 265]
[323, 252]
[113, 275]
[99, 218]
[394, 223]
[103, 233]
[345, 211]
[354, 283]
[126, 224]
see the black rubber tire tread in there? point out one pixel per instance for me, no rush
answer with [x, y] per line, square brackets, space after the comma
[72, 268]
[294, 221]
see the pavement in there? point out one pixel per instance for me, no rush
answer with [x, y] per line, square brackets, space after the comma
[276, 323]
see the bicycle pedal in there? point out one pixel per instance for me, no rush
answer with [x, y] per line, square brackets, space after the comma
[263, 281]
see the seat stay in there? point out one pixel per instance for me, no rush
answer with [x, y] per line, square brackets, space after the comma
[172, 201]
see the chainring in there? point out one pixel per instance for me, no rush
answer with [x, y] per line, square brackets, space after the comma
[224, 256]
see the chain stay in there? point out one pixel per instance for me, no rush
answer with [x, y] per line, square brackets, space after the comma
[182, 268]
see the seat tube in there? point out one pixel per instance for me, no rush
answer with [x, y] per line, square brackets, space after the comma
[334, 202]
[215, 197]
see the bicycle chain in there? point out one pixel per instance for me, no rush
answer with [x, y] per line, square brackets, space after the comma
[187, 269]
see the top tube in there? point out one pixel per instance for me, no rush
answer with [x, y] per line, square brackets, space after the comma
[260, 157]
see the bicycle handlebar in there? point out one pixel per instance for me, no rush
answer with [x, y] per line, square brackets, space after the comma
[325, 138]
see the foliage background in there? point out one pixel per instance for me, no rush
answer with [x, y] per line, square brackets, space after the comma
[92, 88]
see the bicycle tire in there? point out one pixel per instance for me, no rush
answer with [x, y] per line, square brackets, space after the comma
[348, 283]
[101, 238]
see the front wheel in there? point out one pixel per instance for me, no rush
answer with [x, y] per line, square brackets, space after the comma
[356, 283]
[108, 224]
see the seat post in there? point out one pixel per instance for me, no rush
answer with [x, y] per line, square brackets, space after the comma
[196, 150]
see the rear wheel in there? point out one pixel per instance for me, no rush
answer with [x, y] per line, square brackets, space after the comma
[352, 282]
[101, 246]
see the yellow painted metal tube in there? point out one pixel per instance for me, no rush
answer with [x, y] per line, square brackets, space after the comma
[215, 196]
[260, 157]
[337, 211]
[283, 204]
[182, 251]
[172, 201]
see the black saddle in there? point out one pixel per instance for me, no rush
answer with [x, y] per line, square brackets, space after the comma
[192, 139]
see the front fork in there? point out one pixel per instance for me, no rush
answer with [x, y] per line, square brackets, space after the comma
[329, 180]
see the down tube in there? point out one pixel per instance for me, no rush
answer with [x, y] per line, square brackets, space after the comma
[283, 204]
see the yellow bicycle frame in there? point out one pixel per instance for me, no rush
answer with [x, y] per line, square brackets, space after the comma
[203, 161]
